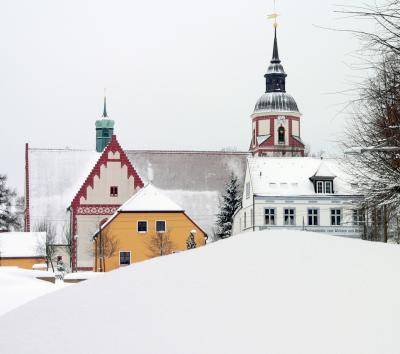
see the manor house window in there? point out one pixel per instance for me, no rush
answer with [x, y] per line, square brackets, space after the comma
[289, 216]
[336, 215]
[269, 216]
[313, 217]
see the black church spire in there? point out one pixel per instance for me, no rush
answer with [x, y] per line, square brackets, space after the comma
[275, 53]
[275, 77]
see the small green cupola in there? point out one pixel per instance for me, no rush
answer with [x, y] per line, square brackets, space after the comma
[104, 129]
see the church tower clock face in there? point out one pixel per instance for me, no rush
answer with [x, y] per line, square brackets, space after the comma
[276, 117]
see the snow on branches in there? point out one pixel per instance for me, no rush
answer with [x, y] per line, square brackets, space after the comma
[230, 201]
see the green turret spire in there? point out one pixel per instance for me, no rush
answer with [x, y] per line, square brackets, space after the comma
[104, 129]
[105, 107]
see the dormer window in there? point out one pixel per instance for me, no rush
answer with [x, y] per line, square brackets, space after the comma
[328, 187]
[324, 187]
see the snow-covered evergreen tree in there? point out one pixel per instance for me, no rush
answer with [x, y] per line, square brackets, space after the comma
[8, 218]
[191, 242]
[230, 201]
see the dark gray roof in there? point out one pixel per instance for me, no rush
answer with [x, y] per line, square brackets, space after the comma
[276, 102]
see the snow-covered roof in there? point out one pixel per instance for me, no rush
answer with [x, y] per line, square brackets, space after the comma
[324, 171]
[55, 176]
[149, 198]
[22, 244]
[291, 175]
[193, 179]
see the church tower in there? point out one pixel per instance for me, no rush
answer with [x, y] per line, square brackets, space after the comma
[276, 118]
[104, 129]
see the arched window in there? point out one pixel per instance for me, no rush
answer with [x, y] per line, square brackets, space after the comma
[281, 135]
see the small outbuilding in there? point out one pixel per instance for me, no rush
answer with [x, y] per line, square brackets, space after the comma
[148, 225]
[22, 249]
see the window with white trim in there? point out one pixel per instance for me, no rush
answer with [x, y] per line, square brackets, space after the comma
[336, 217]
[328, 187]
[160, 226]
[124, 258]
[289, 216]
[324, 187]
[142, 226]
[245, 220]
[269, 216]
[313, 217]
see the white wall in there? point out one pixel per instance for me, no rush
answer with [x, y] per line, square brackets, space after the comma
[111, 175]
[86, 227]
[263, 127]
[295, 128]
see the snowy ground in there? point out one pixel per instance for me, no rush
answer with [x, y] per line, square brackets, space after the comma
[18, 286]
[277, 292]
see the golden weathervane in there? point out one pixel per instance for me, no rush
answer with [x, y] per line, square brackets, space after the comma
[274, 16]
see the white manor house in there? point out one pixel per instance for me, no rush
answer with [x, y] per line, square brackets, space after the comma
[301, 193]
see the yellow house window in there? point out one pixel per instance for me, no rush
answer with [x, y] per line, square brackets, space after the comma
[142, 226]
[124, 258]
[160, 226]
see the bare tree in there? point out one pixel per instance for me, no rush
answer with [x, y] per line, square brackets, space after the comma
[160, 244]
[376, 123]
[385, 16]
[374, 130]
[47, 247]
[68, 239]
[106, 247]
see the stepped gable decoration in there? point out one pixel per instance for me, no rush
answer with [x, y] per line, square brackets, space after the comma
[113, 147]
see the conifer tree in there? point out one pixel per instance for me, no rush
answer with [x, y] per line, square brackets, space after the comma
[231, 200]
[191, 242]
[8, 218]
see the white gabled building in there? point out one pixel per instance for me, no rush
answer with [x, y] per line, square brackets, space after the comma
[301, 193]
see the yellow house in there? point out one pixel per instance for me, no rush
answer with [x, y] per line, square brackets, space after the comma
[149, 224]
[22, 249]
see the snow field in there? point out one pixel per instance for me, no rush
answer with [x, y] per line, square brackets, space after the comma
[278, 292]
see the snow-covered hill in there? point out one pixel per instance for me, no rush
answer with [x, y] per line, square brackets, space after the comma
[18, 286]
[275, 292]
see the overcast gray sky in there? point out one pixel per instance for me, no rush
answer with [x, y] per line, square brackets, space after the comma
[180, 74]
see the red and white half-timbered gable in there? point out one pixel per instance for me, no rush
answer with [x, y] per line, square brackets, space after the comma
[111, 182]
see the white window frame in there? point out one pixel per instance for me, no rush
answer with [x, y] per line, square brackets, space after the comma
[289, 215]
[312, 215]
[335, 216]
[147, 227]
[130, 258]
[328, 183]
[320, 183]
[165, 226]
[269, 216]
